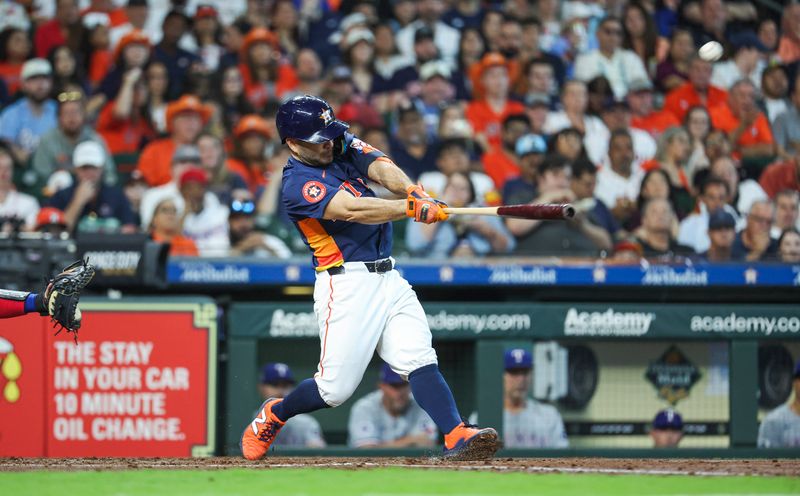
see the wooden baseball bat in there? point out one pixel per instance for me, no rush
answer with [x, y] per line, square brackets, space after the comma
[543, 211]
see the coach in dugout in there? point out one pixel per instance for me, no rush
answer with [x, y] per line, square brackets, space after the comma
[390, 417]
[781, 426]
[667, 429]
[300, 431]
[527, 423]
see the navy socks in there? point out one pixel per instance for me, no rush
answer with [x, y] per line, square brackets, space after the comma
[304, 398]
[434, 396]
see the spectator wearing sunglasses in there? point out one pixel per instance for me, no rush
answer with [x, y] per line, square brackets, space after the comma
[56, 149]
[245, 240]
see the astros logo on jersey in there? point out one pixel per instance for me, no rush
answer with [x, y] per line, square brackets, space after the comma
[326, 116]
[313, 191]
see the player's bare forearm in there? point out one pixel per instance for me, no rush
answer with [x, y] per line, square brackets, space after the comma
[364, 209]
[386, 173]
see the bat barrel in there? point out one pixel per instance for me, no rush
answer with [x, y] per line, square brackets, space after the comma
[538, 211]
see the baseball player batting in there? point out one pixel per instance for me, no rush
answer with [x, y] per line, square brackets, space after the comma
[361, 303]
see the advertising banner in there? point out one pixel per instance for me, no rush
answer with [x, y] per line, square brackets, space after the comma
[550, 320]
[140, 382]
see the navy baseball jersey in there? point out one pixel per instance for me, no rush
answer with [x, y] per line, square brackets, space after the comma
[306, 191]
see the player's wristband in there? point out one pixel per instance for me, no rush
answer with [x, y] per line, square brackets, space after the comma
[31, 303]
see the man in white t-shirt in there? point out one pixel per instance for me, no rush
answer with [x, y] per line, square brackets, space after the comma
[746, 62]
[694, 228]
[618, 182]
[574, 100]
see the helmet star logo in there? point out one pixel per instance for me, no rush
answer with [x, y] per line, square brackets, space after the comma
[326, 116]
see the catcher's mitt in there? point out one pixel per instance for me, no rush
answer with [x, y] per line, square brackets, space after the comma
[60, 297]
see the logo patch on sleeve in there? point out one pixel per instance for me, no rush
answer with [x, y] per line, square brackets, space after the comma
[362, 146]
[314, 191]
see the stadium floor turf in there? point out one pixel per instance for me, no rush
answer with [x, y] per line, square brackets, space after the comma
[378, 482]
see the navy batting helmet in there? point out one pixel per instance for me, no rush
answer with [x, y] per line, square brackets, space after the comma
[308, 118]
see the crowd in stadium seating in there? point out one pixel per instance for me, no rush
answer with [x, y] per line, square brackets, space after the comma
[158, 116]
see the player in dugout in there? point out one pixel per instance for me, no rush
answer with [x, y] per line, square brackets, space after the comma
[667, 429]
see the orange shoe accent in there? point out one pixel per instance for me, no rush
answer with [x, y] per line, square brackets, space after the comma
[259, 435]
[469, 442]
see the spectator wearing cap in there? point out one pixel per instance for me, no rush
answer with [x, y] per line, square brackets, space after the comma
[655, 234]
[616, 114]
[501, 163]
[643, 115]
[15, 48]
[627, 251]
[746, 62]
[698, 90]
[436, 93]
[389, 417]
[487, 114]
[204, 39]
[358, 55]
[266, 75]
[746, 125]
[51, 221]
[527, 423]
[180, 63]
[583, 184]
[204, 221]
[453, 155]
[185, 120]
[245, 240]
[578, 237]
[62, 29]
[720, 233]
[754, 242]
[136, 14]
[789, 246]
[90, 204]
[57, 146]
[300, 431]
[131, 55]
[24, 122]
[574, 101]
[124, 123]
[13, 204]
[465, 237]
[781, 426]
[165, 226]
[667, 429]
[222, 180]
[249, 159]
[789, 44]
[530, 150]
[411, 149]
[618, 65]
[775, 93]
[693, 230]
[429, 14]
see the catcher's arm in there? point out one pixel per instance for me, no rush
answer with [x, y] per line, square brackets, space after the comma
[62, 294]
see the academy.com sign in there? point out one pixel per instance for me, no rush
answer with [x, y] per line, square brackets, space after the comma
[474, 323]
[607, 323]
[738, 324]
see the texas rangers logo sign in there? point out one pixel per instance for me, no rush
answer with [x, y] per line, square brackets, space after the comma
[326, 117]
[313, 191]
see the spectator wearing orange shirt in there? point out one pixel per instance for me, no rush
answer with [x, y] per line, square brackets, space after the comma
[166, 228]
[747, 127]
[486, 116]
[698, 90]
[781, 176]
[249, 158]
[123, 123]
[789, 45]
[96, 47]
[185, 120]
[644, 116]
[266, 76]
[15, 48]
[501, 163]
[63, 28]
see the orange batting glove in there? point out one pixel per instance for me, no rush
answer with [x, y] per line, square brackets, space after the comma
[422, 207]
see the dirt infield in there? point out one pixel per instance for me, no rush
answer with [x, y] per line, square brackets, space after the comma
[716, 467]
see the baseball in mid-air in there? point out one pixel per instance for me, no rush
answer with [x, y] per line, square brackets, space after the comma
[711, 51]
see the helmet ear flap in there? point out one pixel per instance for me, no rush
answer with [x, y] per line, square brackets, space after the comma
[339, 146]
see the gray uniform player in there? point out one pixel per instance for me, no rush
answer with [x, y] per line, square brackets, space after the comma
[781, 427]
[301, 431]
[390, 417]
[527, 423]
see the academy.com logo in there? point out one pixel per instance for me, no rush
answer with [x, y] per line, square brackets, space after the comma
[607, 323]
[503, 322]
[738, 324]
